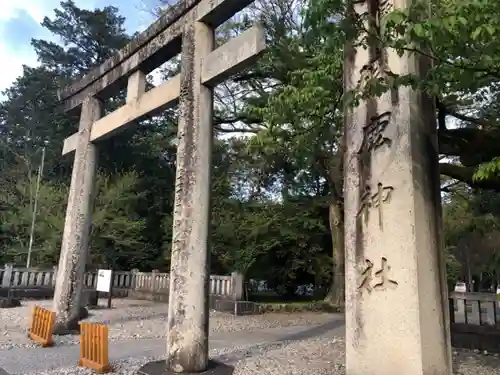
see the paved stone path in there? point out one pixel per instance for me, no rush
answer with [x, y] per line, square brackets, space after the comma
[25, 360]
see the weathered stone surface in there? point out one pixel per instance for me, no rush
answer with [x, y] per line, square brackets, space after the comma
[71, 327]
[74, 248]
[237, 286]
[396, 301]
[187, 335]
[235, 55]
[174, 12]
[187, 339]
[6, 303]
[155, 100]
[154, 53]
[160, 368]
[136, 86]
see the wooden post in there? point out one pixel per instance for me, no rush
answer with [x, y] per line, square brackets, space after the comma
[72, 261]
[94, 343]
[110, 294]
[187, 338]
[42, 324]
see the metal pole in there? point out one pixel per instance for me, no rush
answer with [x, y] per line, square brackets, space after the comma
[33, 216]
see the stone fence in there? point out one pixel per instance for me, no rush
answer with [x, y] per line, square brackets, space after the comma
[475, 321]
[148, 285]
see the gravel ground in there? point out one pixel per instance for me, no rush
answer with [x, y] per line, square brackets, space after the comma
[130, 319]
[307, 357]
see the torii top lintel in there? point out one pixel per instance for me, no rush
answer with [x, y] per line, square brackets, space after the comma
[157, 44]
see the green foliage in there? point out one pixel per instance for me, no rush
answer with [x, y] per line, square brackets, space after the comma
[297, 307]
[272, 190]
[285, 242]
[471, 228]
[16, 222]
[488, 170]
[117, 240]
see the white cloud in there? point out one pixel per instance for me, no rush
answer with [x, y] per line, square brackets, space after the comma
[12, 62]
[38, 9]
[12, 66]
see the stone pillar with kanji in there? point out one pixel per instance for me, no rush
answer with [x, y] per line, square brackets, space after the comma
[397, 320]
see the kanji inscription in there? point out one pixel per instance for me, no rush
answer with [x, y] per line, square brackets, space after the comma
[371, 280]
[374, 133]
[374, 200]
[377, 64]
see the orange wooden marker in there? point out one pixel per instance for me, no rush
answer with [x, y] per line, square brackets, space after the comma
[94, 347]
[42, 325]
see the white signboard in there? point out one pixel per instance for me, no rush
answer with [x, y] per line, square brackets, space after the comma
[103, 280]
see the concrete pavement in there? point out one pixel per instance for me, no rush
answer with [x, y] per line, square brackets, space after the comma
[25, 360]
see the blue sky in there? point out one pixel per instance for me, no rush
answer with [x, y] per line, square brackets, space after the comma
[20, 21]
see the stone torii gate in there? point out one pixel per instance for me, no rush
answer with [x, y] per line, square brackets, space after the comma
[187, 28]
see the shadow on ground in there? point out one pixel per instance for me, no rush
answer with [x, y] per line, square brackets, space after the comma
[259, 349]
[140, 317]
[314, 331]
[467, 356]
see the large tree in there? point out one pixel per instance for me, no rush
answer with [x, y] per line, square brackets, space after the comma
[31, 118]
[296, 99]
[278, 180]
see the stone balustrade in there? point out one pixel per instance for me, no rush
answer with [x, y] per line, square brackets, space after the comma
[230, 287]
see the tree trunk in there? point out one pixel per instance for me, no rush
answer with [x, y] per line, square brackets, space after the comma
[336, 295]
